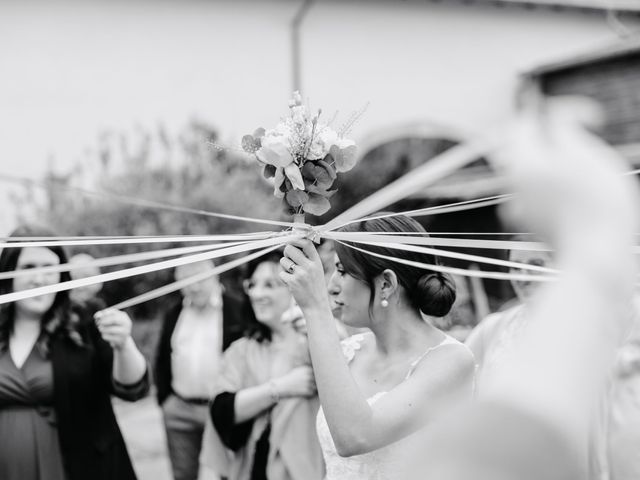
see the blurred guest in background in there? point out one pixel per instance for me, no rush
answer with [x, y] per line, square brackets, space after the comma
[624, 413]
[57, 374]
[462, 317]
[496, 333]
[194, 334]
[89, 295]
[534, 417]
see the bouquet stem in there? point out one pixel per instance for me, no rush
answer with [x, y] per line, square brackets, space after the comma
[298, 218]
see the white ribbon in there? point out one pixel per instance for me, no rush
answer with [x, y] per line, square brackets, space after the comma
[172, 287]
[438, 167]
[143, 203]
[139, 240]
[129, 272]
[442, 242]
[439, 209]
[456, 255]
[458, 271]
[115, 260]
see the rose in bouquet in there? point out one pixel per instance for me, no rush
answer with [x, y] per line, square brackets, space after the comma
[303, 157]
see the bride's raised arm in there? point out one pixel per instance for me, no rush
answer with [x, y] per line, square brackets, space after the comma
[442, 376]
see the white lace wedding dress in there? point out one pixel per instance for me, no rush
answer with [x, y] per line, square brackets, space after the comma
[383, 464]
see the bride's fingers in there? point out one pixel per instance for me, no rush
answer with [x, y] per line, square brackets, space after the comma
[296, 255]
[286, 277]
[310, 250]
[307, 247]
[287, 264]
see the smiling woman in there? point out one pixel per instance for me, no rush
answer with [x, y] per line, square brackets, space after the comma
[268, 295]
[33, 257]
[264, 411]
[50, 308]
[57, 374]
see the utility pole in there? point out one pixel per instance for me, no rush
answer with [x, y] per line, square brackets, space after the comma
[295, 44]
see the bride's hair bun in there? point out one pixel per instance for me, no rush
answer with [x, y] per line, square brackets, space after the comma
[435, 293]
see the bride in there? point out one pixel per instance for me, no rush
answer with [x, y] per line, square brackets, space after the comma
[392, 381]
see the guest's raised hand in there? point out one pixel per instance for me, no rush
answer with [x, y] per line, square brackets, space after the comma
[568, 181]
[114, 326]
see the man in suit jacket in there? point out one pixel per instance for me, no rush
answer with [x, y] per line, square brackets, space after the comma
[194, 334]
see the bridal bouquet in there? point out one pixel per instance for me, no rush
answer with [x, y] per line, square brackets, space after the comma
[303, 156]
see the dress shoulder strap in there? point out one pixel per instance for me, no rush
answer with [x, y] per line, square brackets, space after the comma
[448, 340]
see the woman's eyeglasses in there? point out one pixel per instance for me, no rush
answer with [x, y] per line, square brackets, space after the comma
[250, 285]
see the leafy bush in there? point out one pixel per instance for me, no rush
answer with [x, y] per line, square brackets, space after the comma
[186, 171]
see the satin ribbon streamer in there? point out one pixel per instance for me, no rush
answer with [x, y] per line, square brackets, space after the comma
[172, 287]
[129, 272]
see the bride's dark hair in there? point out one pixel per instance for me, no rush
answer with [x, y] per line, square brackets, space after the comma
[433, 293]
[59, 319]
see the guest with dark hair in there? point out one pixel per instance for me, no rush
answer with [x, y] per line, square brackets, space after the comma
[57, 374]
[394, 379]
[265, 409]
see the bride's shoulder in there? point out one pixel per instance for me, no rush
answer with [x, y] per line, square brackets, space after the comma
[462, 353]
[450, 355]
[352, 344]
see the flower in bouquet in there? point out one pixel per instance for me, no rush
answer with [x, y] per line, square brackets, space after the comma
[303, 157]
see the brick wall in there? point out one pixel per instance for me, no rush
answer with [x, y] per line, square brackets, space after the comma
[614, 83]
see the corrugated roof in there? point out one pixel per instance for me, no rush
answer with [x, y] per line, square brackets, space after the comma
[620, 5]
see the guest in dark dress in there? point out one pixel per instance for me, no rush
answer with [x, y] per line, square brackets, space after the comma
[57, 373]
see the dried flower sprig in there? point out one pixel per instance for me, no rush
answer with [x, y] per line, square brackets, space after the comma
[345, 129]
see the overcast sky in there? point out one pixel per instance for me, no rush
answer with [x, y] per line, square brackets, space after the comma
[71, 69]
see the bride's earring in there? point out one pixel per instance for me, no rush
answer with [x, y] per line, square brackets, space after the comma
[384, 303]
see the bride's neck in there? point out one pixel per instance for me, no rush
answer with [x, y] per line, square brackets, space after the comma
[400, 331]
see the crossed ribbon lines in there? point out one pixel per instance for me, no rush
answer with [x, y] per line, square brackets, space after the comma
[257, 244]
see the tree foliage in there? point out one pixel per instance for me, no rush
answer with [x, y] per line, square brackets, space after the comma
[185, 171]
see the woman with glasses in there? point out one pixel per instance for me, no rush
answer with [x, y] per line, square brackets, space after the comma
[266, 403]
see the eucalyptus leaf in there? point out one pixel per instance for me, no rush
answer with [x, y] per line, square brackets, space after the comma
[344, 158]
[249, 144]
[325, 192]
[319, 173]
[296, 198]
[316, 205]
